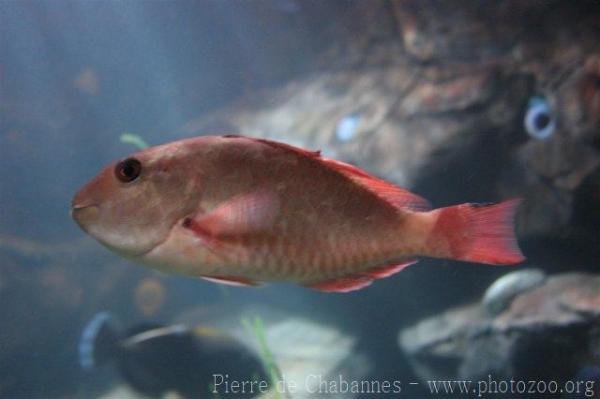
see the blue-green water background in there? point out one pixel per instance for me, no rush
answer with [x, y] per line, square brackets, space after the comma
[158, 65]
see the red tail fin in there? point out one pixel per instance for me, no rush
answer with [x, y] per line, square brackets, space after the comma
[479, 233]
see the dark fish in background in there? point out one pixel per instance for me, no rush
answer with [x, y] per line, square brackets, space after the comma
[155, 359]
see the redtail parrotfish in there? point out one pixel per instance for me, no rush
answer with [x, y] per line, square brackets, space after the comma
[242, 211]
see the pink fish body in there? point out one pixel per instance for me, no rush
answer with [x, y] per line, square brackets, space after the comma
[242, 210]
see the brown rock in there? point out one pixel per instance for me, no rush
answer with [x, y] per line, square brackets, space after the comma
[561, 316]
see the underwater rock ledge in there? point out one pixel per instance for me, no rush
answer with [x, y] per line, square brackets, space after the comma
[551, 330]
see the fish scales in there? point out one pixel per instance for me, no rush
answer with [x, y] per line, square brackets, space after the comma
[348, 216]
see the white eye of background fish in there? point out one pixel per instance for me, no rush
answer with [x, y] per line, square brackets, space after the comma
[539, 119]
[346, 127]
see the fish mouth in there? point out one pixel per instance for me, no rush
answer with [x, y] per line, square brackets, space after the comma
[76, 207]
[81, 213]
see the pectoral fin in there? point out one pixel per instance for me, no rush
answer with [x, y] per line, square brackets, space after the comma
[243, 214]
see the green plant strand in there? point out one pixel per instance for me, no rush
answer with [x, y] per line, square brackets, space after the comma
[258, 330]
[135, 140]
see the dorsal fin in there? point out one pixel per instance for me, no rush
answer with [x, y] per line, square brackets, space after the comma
[156, 333]
[287, 147]
[395, 195]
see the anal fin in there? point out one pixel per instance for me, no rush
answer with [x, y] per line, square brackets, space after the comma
[361, 280]
[388, 270]
[344, 284]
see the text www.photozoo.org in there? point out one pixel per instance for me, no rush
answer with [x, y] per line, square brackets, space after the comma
[318, 384]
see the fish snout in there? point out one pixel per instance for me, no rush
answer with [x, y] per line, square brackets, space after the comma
[84, 214]
[82, 208]
[79, 206]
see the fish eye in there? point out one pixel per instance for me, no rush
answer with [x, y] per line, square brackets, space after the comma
[128, 170]
[539, 119]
